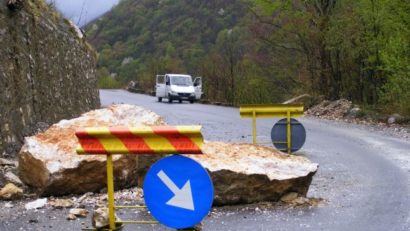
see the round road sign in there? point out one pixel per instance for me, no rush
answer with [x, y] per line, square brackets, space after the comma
[178, 192]
[279, 135]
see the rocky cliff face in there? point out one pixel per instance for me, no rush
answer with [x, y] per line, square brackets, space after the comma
[47, 71]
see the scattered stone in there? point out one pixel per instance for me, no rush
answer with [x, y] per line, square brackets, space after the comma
[37, 204]
[71, 217]
[83, 197]
[247, 173]
[354, 112]
[289, 197]
[395, 118]
[300, 200]
[8, 162]
[11, 192]
[100, 218]
[61, 203]
[79, 212]
[33, 220]
[8, 205]
[12, 178]
[49, 163]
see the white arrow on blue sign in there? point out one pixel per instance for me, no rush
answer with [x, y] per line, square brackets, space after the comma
[178, 192]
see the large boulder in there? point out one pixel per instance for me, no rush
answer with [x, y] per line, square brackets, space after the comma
[49, 163]
[247, 173]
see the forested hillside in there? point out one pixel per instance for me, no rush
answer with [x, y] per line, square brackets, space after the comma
[263, 51]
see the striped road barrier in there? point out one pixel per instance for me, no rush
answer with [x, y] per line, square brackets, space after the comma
[136, 140]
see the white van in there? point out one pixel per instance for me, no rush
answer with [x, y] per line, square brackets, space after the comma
[178, 87]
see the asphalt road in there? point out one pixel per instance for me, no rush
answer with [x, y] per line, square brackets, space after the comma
[364, 174]
[364, 177]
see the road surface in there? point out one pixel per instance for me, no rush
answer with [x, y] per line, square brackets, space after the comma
[364, 175]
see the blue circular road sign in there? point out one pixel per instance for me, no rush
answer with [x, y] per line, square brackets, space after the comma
[178, 192]
[279, 135]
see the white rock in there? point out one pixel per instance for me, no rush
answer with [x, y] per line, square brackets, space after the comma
[7, 162]
[79, 212]
[247, 173]
[39, 203]
[49, 162]
[394, 118]
[11, 177]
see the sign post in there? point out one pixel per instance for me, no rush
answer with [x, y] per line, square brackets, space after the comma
[272, 110]
[111, 141]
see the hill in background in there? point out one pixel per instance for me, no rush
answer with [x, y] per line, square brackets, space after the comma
[138, 39]
[263, 51]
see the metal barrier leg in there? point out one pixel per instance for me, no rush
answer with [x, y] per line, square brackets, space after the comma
[289, 135]
[254, 126]
[110, 190]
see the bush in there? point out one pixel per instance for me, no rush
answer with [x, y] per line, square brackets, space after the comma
[107, 82]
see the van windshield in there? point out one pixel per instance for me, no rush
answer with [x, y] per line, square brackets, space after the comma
[181, 81]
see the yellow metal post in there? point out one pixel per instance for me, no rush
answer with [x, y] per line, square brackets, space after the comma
[110, 191]
[289, 135]
[254, 126]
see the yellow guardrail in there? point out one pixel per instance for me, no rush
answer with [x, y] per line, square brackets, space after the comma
[136, 140]
[271, 110]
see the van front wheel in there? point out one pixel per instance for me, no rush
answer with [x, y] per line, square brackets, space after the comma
[169, 98]
[159, 99]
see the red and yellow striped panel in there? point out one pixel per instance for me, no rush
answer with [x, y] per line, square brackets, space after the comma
[140, 140]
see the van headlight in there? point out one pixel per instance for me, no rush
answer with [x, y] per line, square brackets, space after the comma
[192, 94]
[173, 93]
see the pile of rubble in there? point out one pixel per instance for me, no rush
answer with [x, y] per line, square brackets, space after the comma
[344, 110]
[334, 110]
[9, 181]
